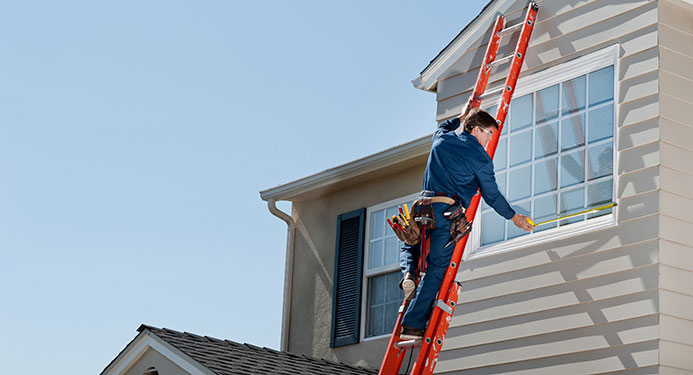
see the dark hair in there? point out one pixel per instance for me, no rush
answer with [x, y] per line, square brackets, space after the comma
[479, 117]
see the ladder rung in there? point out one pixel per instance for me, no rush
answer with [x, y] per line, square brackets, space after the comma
[511, 29]
[408, 344]
[499, 61]
[488, 94]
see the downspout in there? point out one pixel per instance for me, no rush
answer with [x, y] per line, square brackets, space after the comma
[288, 270]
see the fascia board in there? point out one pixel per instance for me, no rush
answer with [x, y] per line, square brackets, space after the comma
[146, 340]
[429, 76]
[365, 165]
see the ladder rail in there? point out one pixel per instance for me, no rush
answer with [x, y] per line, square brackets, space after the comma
[490, 56]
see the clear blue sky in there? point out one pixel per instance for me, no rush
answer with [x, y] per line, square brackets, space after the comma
[136, 135]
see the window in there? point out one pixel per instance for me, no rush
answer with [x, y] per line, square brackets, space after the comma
[382, 296]
[556, 154]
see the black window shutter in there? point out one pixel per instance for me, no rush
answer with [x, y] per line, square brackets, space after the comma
[346, 295]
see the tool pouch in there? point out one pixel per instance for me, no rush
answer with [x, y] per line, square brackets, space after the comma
[459, 226]
[421, 215]
[411, 234]
[422, 212]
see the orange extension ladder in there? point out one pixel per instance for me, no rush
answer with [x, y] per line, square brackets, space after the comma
[448, 293]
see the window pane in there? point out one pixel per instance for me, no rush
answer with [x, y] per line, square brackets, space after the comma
[375, 254]
[573, 168]
[493, 228]
[573, 95]
[500, 181]
[391, 250]
[391, 315]
[501, 155]
[377, 224]
[601, 123]
[523, 209]
[600, 159]
[394, 293]
[598, 194]
[571, 202]
[392, 211]
[572, 132]
[376, 289]
[602, 85]
[521, 112]
[545, 209]
[383, 301]
[376, 320]
[546, 176]
[547, 104]
[546, 140]
[521, 186]
[492, 110]
[520, 148]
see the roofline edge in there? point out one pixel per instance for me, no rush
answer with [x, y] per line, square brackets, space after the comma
[382, 159]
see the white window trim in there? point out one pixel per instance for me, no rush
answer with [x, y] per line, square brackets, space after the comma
[376, 271]
[535, 82]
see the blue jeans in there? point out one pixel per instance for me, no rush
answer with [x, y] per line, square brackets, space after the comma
[437, 263]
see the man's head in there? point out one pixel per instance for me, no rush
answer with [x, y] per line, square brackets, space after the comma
[481, 125]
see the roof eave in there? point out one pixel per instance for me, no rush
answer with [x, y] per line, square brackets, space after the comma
[357, 168]
[428, 78]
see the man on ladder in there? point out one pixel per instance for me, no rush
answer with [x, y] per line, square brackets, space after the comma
[457, 167]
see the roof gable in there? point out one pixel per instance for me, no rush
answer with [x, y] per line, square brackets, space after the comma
[203, 355]
[145, 341]
[428, 78]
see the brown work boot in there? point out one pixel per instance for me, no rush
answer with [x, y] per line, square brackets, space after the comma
[409, 333]
[409, 286]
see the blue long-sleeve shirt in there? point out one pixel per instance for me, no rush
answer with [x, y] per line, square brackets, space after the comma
[459, 165]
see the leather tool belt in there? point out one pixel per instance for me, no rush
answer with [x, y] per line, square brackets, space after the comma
[422, 216]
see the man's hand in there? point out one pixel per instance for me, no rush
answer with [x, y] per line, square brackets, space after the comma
[521, 222]
[467, 107]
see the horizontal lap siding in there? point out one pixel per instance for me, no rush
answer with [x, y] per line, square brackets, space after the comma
[676, 196]
[553, 42]
[587, 304]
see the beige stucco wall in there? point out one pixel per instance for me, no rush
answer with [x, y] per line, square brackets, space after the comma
[676, 196]
[152, 358]
[316, 223]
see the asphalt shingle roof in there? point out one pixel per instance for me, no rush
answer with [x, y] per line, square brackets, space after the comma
[225, 357]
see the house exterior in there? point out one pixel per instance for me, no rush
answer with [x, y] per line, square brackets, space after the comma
[162, 351]
[603, 112]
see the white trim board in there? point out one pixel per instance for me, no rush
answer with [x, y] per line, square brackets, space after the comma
[145, 341]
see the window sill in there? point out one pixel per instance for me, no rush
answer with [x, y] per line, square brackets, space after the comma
[375, 338]
[542, 237]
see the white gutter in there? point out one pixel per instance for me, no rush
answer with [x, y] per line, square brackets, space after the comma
[288, 271]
